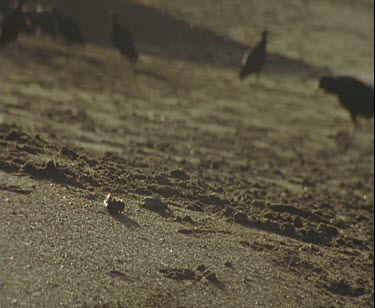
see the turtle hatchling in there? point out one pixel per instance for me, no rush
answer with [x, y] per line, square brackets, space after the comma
[114, 205]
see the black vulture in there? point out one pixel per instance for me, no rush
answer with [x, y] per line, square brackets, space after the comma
[12, 24]
[253, 60]
[354, 95]
[5, 5]
[44, 21]
[123, 40]
[68, 28]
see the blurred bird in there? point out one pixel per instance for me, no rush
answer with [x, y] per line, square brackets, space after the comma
[354, 95]
[123, 39]
[68, 28]
[253, 60]
[44, 21]
[5, 5]
[12, 24]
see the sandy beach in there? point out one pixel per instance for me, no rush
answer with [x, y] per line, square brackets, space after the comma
[236, 194]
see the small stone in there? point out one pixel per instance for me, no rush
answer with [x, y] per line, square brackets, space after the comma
[154, 204]
[201, 268]
[330, 230]
[162, 180]
[211, 277]
[188, 219]
[114, 205]
[369, 256]
[14, 135]
[247, 280]
[241, 218]
[179, 174]
[297, 222]
[68, 153]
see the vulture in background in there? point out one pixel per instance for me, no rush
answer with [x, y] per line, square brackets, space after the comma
[123, 39]
[253, 60]
[5, 5]
[12, 24]
[68, 28]
[43, 20]
[354, 95]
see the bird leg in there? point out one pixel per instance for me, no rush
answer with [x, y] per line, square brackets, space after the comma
[256, 78]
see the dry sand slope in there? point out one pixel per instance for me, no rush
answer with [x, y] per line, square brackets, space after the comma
[269, 201]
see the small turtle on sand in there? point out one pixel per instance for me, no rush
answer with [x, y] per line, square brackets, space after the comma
[114, 205]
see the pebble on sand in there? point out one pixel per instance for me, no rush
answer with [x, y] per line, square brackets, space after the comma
[180, 174]
[154, 204]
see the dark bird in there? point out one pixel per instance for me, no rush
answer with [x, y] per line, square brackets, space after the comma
[5, 5]
[354, 95]
[123, 40]
[68, 28]
[44, 21]
[12, 24]
[253, 60]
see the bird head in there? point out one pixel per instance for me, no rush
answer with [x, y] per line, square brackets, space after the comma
[327, 83]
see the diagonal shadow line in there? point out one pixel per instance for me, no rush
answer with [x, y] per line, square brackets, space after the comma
[309, 237]
[158, 33]
[151, 74]
[126, 221]
[15, 189]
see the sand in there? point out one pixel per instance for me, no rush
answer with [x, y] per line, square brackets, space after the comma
[236, 194]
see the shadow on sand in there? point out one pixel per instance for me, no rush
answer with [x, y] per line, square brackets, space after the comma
[163, 35]
[126, 221]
